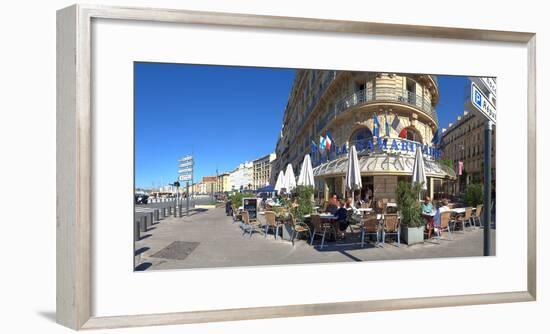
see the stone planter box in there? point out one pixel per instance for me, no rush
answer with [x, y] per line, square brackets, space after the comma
[412, 235]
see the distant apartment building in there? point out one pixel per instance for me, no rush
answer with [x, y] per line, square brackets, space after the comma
[261, 174]
[209, 184]
[223, 184]
[463, 141]
[242, 177]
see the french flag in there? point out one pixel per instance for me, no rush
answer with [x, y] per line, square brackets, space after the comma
[398, 127]
[328, 142]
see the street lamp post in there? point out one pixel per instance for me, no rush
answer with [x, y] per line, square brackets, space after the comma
[187, 192]
[487, 189]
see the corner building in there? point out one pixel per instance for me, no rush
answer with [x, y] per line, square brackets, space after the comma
[344, 105]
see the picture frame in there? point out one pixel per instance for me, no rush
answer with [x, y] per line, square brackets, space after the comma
[74, 160]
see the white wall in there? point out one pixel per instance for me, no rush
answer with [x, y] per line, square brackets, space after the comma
[27, 137]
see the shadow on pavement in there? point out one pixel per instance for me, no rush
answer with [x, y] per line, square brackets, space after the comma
[141, 250]
[143, 266]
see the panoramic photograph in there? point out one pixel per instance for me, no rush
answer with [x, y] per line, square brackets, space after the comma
[252, 166]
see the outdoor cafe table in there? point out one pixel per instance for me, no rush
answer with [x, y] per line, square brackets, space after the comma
[326, 216]
[364, 210]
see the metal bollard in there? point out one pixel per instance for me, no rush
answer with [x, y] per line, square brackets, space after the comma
[181, 210]
[143, 223]
[137, 234]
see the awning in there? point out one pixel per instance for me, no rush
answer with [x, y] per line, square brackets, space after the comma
[266, 189]
[384, 164]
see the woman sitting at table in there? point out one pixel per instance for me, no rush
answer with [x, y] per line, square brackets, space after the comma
[427, 206]
[427, 213]
[342, 219]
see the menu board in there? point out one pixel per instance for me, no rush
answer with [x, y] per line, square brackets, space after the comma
[250, 205]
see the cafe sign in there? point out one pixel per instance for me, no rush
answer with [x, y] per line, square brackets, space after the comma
[394, 145]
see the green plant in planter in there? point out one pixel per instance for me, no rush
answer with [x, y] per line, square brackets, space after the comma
[409, 206]
[474, 194]
[237, 199]
[303, 195]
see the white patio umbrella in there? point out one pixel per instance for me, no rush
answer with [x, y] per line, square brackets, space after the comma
[306, 173]
[279, 185]
[419, 174]
[290, 179]
[353, 175]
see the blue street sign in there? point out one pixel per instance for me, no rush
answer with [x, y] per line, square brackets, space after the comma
[482, 104]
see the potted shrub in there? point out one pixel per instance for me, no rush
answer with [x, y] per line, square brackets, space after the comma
[474, 195]
[412, 223]
[303, 194]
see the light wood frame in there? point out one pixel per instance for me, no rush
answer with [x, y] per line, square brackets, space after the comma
[74, 162]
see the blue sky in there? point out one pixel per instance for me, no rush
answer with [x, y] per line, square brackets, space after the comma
[222, 115]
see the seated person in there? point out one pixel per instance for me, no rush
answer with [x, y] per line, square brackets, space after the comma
[427, 206]
[427, 210]
[342, 219]
[334, 200]
[333, 204]
[443, 208]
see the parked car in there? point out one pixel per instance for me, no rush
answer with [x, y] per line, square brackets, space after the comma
[141, 198]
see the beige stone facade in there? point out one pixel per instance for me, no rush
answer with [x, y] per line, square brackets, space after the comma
[209, 184]
[344, 104]
[463, 141]
[261, 173]
[223, 184]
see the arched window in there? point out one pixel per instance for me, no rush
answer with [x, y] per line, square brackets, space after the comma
[413, 134]
[360, 137]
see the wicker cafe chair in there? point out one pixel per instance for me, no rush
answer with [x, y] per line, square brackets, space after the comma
[380, 206]
[319, 228]
[271, 223]
[391, 226]
[390, 210]
[351, 222]
[370, 226]
[466, 219]
[444, 221]
[248, 225]
[479, 210]
[297, 227]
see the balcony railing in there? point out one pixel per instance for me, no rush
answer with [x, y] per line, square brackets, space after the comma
[377, 95]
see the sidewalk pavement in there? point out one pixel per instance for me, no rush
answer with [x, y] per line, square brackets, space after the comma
[208, 238]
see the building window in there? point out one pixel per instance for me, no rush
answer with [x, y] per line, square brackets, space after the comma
[360, 138]
[413, 134]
